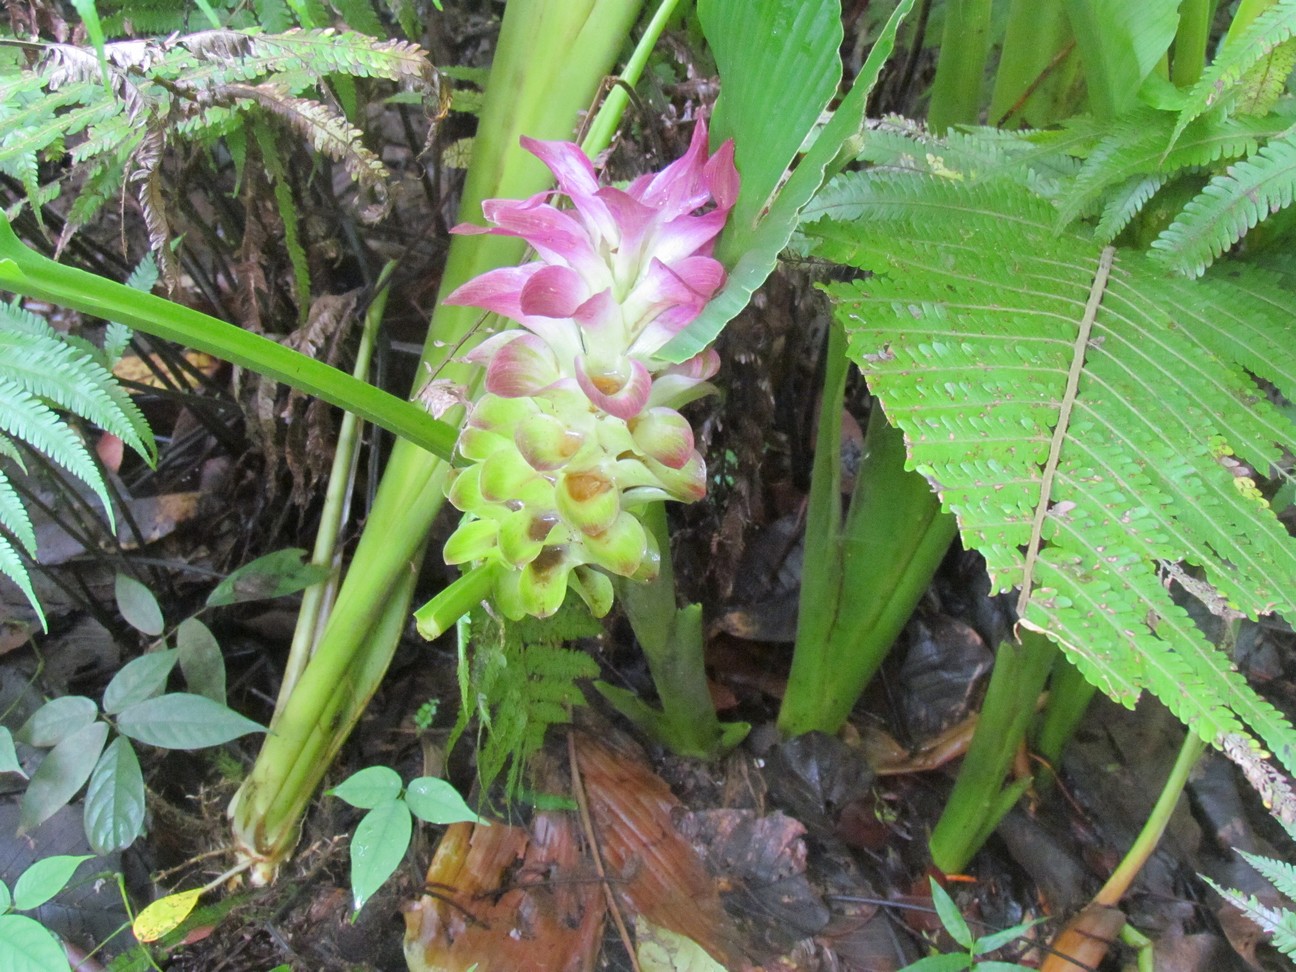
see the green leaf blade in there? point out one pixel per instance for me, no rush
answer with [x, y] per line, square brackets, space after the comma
[44, 879]
[114, 802]
[61, 774]
[377, 847]
[183, 721]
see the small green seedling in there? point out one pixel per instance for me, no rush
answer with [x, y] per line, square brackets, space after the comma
[957, 926]
[383, 834]
[25, 944]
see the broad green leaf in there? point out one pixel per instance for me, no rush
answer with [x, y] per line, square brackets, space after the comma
[114, 800]
[662, 950]
[779, 68]
[61, 774]
[183, 721]
[380, 841]
[8, 755]
[751, 254]
[369, 787]
[164, 915]
[273, 575]
[201, 660]
[57, 719]
[6, 899]
[139, 679]
[27, 946]
[138, 606]
[1120, 44]
[950, 915]
[44, 879]
[437, 802]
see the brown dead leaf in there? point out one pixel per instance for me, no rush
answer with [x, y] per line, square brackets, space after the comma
[504, 898]
[653, 869]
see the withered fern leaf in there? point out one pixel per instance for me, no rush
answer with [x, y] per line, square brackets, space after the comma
[1080, 411]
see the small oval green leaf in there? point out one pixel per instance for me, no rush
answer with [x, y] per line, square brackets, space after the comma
[8, 755]
[44, 879]
[273, 575]
[60, 775]
[57, 719]
[139, 679]
[27, 946]
[138, 607]
[380, 841]
[201, 660]
[437, 802]
[183, 721]
[367, 788]
[114, 800]
[950, 915]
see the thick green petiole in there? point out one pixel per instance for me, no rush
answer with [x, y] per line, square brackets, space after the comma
[862, 578]
[672, 641]
[980, 799]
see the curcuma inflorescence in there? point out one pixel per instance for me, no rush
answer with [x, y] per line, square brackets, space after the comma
[578, 425]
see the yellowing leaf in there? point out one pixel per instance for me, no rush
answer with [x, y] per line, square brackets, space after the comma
[164, 915]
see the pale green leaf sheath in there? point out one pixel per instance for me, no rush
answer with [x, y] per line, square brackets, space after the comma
[1079, 412]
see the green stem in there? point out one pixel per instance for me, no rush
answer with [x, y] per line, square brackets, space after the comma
[24, 271]
[960, 67]
[1158, 819]
[673, 643]
[614, 105]
[317, 598]
[979, 799]
[1034, 75]
[531, 92]
[1195, 18]
[862, 579]
[440, 614]
[1069, 696]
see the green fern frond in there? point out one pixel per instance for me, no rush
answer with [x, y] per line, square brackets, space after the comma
[1278, 923]
[970, 330]
[1278, 873]
[1136, 146]
[523, 680]
[1221, 81]
[1124, 204]
[40, 369]
[1229, 206]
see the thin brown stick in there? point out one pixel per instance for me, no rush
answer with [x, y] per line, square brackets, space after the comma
[587, 825]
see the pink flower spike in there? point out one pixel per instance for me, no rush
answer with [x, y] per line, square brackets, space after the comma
[621, 390]
[679, 188]
[553, 292]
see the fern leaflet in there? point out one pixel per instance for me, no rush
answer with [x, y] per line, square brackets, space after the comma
[1221, 79]
[1229, 206]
